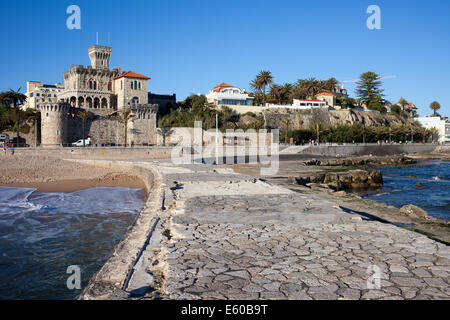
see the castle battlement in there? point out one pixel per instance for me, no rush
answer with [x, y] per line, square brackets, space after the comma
[62, 107]
[54, 123]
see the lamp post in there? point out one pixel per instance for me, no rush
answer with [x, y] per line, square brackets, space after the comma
[390, 135]
[217, 138]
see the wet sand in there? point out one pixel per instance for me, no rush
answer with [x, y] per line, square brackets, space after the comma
[82, 184]
[53, 174]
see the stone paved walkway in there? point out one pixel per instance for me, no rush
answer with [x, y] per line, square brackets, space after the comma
[226, 236]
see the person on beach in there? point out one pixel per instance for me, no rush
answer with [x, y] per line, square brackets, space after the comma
[12, 149]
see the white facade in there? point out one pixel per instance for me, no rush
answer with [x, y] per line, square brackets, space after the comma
[38, 92]
[438, 123]
[302, 105]
[225, 94]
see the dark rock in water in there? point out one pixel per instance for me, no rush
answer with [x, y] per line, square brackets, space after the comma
[355, 179]
[420, 186]
[414, 212]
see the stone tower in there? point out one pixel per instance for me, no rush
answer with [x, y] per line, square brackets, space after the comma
[54, 123]
[100, 56]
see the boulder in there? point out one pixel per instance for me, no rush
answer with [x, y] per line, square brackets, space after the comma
[414, 212]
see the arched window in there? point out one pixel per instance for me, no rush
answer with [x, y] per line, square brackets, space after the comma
[109, 86]
[95, 85]
[131, 85]
[139, 85]
[135, 85]
[90, 84]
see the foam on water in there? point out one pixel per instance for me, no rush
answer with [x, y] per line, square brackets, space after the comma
[41, 234]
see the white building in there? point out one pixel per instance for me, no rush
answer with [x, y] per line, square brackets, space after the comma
[302, 105]
[225, 94]
[439, 124]
[38, 92]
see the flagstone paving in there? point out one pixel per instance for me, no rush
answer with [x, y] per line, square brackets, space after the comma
[226, 236]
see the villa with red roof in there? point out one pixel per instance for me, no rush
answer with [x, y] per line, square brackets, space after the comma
[226, 94]
[329, 98]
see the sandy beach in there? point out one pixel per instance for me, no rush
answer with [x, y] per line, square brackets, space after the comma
[48, 173]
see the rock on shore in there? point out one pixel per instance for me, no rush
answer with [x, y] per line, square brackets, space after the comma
[414, 212]
[355, 179]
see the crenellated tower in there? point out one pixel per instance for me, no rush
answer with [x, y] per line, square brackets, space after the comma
[54, 123]
[100, 56]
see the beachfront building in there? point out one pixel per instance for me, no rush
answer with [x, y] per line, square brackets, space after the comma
[98, 87]
[38, 92]
[327, 97]
[447, 132]
[300, 104]
[103, 92]
[442, 136]
[310, 104]
[225, 94]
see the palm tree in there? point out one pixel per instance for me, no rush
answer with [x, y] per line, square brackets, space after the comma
[165, 132]
[313, 87]
[256, 86]
[17, 116]
[12, 97]
[435, 106]
[276, 92]
[125, 115]
[286, 122]
[330, 85]
[287, 91]
[265, 78]
[84, 115]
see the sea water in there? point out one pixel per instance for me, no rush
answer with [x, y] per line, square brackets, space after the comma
[42, 234]
[426, 185]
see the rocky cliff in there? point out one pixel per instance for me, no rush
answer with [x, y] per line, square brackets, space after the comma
[304, 119]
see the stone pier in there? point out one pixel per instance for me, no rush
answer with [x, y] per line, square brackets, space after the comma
[208, 233]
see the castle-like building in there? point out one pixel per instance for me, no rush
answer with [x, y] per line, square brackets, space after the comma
[104, 92]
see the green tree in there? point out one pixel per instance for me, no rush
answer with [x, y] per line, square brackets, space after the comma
[396, 108]
[256, 85]
[369, 90]
[164, 132]
[265, 78]
[276, 93]
[84, 115]
[435, 106]
[286, 122]
[125, 115]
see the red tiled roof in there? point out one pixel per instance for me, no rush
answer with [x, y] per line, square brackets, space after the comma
[224, 85]
[132, 74]
[309, 100]
[324, 94]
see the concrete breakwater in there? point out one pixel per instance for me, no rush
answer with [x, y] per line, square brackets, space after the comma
[208, 233]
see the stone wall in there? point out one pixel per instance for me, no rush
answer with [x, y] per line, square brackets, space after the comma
[105, 129]
[304, 119]
[54, 124]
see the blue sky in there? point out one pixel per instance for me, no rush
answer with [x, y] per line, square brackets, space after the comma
[191, 46]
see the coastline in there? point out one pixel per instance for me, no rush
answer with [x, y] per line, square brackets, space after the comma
[50, 173]
[66, 186]
[144, 263]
